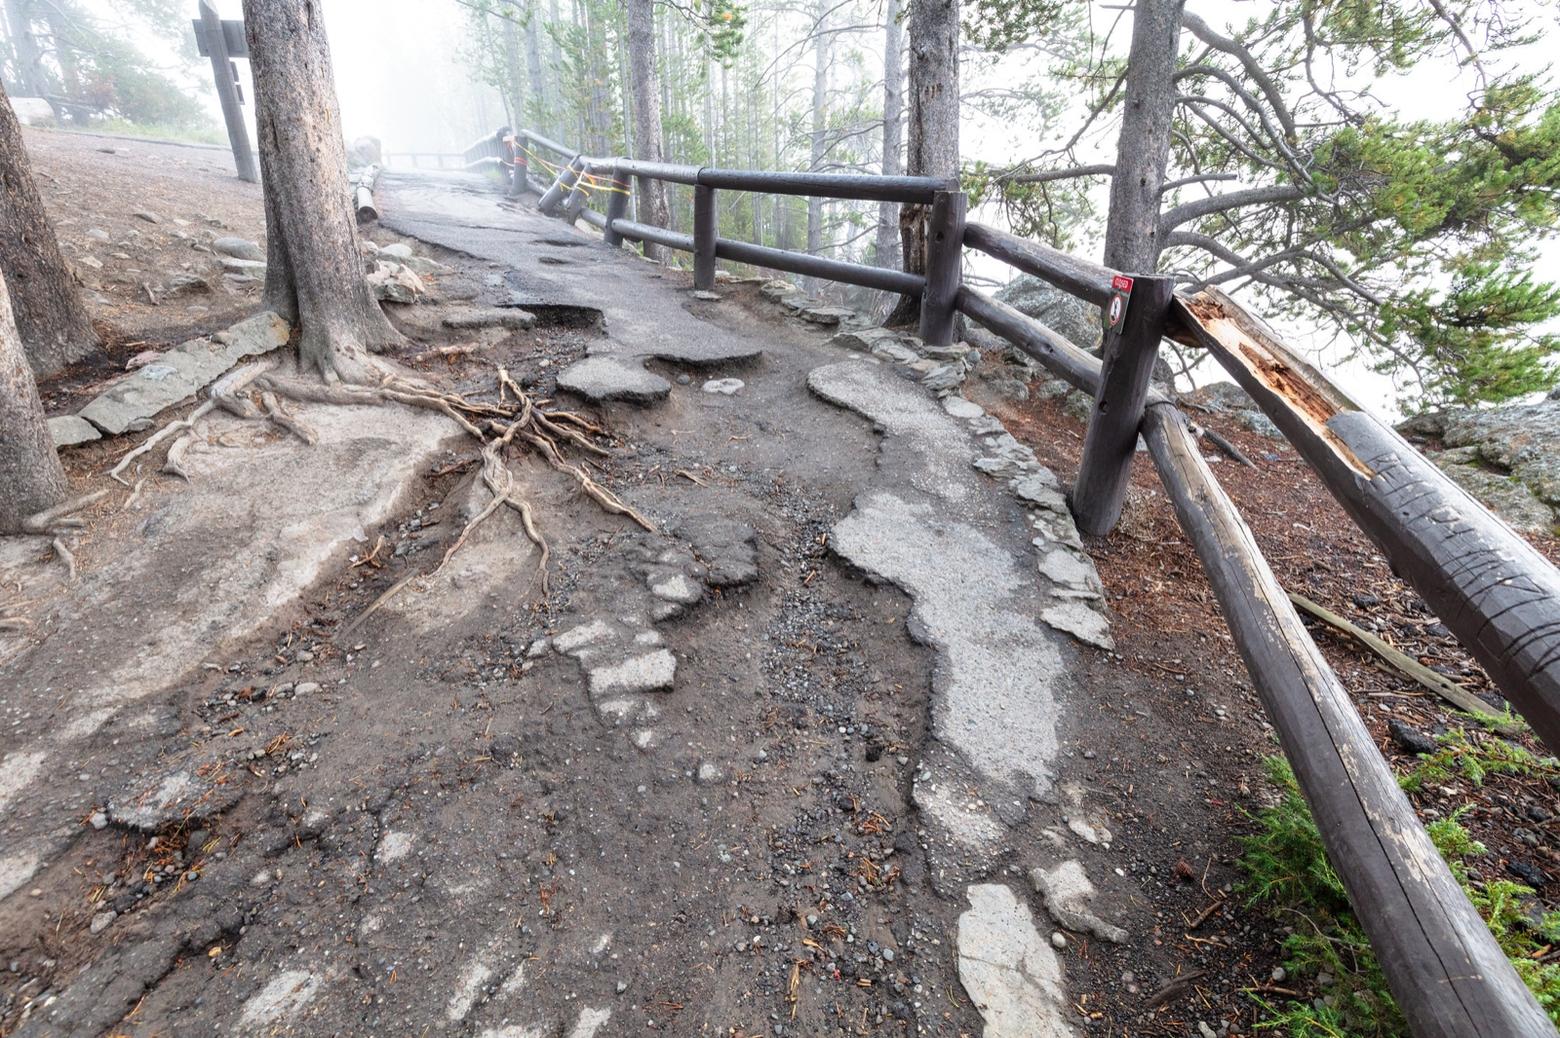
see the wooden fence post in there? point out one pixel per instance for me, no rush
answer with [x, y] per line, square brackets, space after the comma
[617, 208]
[1130, 351]
[227, 93]
[944, 267]
[520, 166]
[705, 230]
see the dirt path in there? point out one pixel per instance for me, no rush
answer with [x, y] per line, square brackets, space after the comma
[783, 766]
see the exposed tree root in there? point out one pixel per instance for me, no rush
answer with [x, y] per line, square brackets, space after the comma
[53, 520]
[516, 418]
[173, 465]
[64, 555]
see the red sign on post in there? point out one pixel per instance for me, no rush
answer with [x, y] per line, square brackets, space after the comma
[1121, 292]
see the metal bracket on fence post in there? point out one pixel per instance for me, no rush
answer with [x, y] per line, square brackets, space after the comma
[944, 267]
[617, 207]
[1136, 317]
[705, 231]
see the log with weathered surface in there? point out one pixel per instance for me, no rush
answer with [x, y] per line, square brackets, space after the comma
[1128, 364]
[1492, 589]
[1084, 279]
[1449, 977]
[944, 267]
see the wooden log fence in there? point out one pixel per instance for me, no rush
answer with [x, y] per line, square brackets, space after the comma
[1494, 591]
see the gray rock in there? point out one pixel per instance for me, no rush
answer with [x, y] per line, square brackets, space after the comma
[1220, 397]
[709, 774]
[393, 283]
[1076, 320]
[706, 297]
[238, 248]
[1067, 893]
[242, 265]
[945, 378]
[776, 290]
[724, 386]
[493, 317]
[397, 250]
[1518, 446]
[102, 921]
[828, 316]
[148, 217]
[1259, 423]
[181, 372]
[184, 283]
[1082, 622]
[69, 430]
[728, 548]
[97, 234]
[605, 377]
[865, 339]
[1011, 975]
[648, 672]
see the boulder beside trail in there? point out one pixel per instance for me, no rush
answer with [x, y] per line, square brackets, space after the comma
[1507, 457]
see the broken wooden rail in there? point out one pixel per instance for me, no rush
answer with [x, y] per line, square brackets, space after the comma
[1493, 590]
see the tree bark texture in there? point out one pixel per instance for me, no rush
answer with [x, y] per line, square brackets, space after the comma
[31, 479]
[1132, 242]
[314, 276]
[932, 123]
[31, 77]
[514, 75]
[646, 90]
[50, 315]
[887, 251]
[820, 122]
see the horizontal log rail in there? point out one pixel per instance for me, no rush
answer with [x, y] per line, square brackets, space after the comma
[1088, 281]
[1497, 594]
[1488, 585]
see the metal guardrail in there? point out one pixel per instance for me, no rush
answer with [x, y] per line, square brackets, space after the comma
[1491, 589]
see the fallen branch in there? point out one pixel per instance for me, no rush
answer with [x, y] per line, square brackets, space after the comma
[1406, 665]
[1230, 450]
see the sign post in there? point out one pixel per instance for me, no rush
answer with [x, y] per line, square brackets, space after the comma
[219, 41]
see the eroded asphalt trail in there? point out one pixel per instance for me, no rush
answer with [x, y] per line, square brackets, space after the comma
[793, 764]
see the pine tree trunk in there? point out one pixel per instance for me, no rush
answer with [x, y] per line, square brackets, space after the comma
[646, 91]
[30, 475]
[540, 97]
[820, 119]
[933, 124]
[65, 57]
[314, 276]
[514, 75]
[1132, 241]
[887, 250]
[50, 316]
